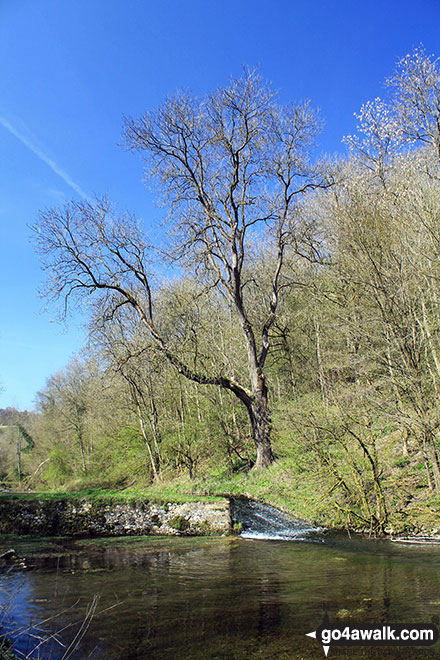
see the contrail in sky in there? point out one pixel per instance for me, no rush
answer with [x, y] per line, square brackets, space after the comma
[42, 156]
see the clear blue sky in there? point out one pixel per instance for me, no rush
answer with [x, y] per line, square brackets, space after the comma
[70, 70]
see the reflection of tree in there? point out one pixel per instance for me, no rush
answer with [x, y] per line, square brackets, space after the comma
[269, 617]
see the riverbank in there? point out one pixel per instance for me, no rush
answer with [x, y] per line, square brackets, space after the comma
[302, 495]
[410, 512]
[80, 515]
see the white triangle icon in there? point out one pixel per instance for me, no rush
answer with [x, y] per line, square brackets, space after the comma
[325, 648]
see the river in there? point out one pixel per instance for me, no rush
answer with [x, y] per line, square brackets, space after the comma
[222, 597]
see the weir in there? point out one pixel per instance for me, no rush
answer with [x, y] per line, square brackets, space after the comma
[261, 521]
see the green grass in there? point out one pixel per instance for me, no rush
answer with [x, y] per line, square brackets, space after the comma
[296, 483]
[160, 494]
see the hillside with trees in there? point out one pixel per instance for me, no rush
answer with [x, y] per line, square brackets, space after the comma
[293, 351]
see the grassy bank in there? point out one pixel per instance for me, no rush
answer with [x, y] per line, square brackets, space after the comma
[160, 494]
[302, 493]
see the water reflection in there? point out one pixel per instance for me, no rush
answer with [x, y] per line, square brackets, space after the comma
[202, 598]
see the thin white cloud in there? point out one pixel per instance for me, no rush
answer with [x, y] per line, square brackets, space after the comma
[44, 157]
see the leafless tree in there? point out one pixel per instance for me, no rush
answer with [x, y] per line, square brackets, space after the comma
[233, 167]
[408, 118]
[415, 97]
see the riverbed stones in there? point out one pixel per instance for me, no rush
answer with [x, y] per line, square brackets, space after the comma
[68, 517]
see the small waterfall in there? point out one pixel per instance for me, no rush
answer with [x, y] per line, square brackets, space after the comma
[261, 521]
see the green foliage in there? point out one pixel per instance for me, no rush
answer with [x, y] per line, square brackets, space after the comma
[59, 469]
[402, 461]
[6, 652]
[119, 461]
[179, 522]
[30, 444]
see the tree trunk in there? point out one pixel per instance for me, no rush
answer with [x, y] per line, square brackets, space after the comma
[405, 436]
[153, 420]
[322, 383]
[432, 453]
[426, 462]
[147, 443]
[261, 427]
[83, 455]
[19, 470]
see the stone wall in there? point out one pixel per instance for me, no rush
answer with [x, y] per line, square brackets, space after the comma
[103, 518]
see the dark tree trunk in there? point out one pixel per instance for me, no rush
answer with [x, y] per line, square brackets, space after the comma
[432, 453]
[261, 426]
[19, 470]
[83, 455]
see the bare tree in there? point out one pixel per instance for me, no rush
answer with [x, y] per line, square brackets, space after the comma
[67, 395]
[233, 168]
[123, 347]
[408, 117]
[415, 88]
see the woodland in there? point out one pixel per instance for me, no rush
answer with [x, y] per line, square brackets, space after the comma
[283, 340]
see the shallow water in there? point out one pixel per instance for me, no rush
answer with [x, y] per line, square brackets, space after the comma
[202, 598]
